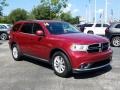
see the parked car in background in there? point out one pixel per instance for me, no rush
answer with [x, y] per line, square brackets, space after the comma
[81, 27]
[113, 33]
[61, 45]
[97, 29]
[4, 31]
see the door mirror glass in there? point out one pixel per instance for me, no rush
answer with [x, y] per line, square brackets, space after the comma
[39, 33]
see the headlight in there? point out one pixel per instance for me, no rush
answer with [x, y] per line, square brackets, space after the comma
[76, 47]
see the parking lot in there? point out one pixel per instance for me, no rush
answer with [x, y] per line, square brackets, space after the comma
[30, 74]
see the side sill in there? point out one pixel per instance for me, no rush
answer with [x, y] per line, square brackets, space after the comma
[37, 58]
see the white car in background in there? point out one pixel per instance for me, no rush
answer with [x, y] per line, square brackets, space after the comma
[97, 29]
[4, 31]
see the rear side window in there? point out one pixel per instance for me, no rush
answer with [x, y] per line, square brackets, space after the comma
[27, 28]
[105, 25]
[98, 25]
[16, 27]
[117, 26]
[36, 27]
[88, 25]
[2, 27]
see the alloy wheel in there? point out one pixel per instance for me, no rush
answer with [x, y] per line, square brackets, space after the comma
[116, 41]
[59, 64]
[3, 36]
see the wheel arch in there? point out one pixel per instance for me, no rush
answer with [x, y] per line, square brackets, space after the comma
[113, 36]
[13, 43]
[90, 31]
[53, 51]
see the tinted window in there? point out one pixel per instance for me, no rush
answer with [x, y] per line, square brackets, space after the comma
[61, 28]
[16, 27]
[27, 28]
[36, 27]
[117, 26]
[98, 25]
[3, 27]
[105, 25]
[88, 25]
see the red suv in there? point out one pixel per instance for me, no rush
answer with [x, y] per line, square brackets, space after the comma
[60, 44]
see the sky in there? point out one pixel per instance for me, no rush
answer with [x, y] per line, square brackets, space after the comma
[77, 7]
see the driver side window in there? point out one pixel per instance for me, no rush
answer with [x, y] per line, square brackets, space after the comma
[36, 27]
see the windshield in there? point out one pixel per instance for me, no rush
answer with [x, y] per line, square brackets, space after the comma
[61, 28]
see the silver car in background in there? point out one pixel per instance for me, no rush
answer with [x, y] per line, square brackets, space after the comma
[4, 31]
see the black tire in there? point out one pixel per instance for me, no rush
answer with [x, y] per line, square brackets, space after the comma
[3, 36]
[115, 41]
[19, 54]
[67, 70]
[90, 32]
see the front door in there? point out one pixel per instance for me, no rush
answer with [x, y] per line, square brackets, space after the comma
[39, 44]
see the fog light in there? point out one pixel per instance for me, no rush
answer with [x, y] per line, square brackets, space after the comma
[84, 66]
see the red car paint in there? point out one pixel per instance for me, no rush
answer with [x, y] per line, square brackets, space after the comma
[42, 46]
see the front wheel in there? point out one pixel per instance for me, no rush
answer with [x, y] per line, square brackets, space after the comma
[61, 64]
[4, 36]
[115, 41]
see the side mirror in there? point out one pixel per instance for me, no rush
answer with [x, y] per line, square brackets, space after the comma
[39, 33]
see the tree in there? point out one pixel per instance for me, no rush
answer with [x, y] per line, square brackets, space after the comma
[4, 19]
[55, 6]
[69, 18]
[18, 14]
[66, 16]
[41, 12]
[75, 20]
[2, 4]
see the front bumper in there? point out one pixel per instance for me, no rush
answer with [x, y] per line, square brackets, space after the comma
[79, 58]
[91, 68]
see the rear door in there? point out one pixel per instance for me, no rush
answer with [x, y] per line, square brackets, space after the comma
[99, 29]
[24, 37]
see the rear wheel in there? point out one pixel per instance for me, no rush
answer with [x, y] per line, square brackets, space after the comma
[4, 36]
[16, 53]
[61, 64]
[115, 41]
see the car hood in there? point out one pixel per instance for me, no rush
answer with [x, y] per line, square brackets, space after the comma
[81, 38]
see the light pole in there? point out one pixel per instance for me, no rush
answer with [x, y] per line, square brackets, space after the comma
[86, 11]
[95, 11]
[89, 12]
[106, 7]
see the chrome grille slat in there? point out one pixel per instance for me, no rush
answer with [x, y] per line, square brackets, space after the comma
[100, 47]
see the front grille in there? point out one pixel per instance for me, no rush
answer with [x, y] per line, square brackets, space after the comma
[93, 48]
[98, 47]
[105, 46]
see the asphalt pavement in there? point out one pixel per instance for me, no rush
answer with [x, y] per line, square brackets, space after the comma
[31, 74]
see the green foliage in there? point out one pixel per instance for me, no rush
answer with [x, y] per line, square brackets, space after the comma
[4, 19]
[47, 10]
[17, 15]
[41, 12]
[68, 18]
[54, 5]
